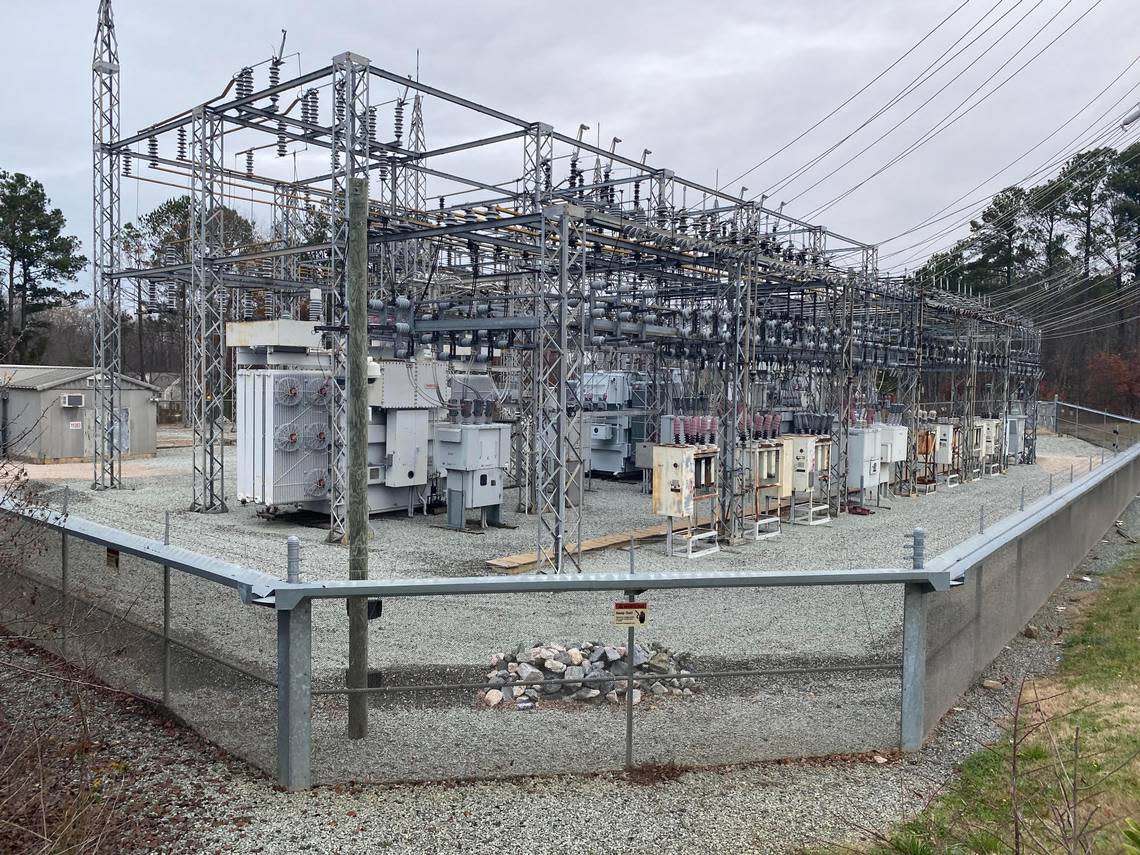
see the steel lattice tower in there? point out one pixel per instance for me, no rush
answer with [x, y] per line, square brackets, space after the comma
[205, 305]
[107, 350]
[350, 152]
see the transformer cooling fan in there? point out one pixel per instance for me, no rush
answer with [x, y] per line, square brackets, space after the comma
[287, 391]
[317, 483]
[286, 438]
[318, 391]
[315, 437]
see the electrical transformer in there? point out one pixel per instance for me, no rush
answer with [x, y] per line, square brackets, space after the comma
[611, 451]
[284, 419]
[615, 419]
[282, 437]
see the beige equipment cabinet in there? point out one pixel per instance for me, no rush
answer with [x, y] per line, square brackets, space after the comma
[683, 476]
[674, 480]
[804, 461]
[764, 462]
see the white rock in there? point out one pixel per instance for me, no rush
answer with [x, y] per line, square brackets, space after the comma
[555, 666]
[575, 656]
[493, 697]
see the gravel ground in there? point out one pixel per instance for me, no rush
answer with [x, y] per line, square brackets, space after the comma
[793, 624]
[417, 640]
[216, 805]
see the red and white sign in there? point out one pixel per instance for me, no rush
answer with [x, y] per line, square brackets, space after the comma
[631, 614]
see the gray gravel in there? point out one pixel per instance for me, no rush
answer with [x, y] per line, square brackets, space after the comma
[767, 808]
[447, 640]
[786, 623]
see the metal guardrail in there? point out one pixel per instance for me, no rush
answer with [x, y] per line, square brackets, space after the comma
[292, 601]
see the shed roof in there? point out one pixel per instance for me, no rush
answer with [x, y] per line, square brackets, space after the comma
[41, 377]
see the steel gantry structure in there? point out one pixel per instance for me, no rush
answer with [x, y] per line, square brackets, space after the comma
[500, 248]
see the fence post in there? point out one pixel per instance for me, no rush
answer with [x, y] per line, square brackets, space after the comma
[294, 696]
[63, 579]
[166, 619]
[629, 686]
[913, 711]
[293, 558]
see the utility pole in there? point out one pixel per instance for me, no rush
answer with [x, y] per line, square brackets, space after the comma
[356, 392]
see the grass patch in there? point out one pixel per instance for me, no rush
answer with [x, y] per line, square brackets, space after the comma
[1087, 719]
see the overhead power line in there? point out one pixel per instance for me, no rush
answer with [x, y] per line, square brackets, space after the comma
[851, 97]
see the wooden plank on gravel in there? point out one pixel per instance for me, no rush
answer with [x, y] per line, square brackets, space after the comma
[525, 560]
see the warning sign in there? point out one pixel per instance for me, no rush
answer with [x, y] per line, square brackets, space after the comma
[631, 614]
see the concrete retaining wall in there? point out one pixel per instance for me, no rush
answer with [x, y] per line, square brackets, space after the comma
[968, 626]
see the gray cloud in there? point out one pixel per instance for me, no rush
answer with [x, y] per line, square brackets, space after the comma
[710, 87]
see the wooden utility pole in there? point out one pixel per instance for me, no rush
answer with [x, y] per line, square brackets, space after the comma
[356, 390]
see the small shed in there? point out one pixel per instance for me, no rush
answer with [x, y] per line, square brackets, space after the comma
[47, 414]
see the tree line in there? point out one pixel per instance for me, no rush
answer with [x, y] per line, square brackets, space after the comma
[1065, 252]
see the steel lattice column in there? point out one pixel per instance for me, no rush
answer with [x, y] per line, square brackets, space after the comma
[558, 411]
[286, 233]
[205, 302]
[412, 257]
[538, 153]
[350, 152]
[107, 349]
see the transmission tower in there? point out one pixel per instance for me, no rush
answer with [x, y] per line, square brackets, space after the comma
[107, 350]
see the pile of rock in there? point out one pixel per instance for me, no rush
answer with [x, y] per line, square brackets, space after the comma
[591, 673]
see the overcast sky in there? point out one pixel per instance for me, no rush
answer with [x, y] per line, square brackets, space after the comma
[711, 88]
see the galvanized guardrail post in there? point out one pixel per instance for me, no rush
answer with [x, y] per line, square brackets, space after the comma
[166, 619]
[913, 711]
[294, 695]
[293, 558]
[63, 580]
[629, 683]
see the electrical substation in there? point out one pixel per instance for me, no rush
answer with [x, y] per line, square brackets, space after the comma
[581, 314]
[524, 398]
